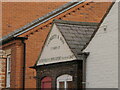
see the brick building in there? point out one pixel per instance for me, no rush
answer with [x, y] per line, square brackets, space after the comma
[66, 62]
[80, 54]
[22, 46]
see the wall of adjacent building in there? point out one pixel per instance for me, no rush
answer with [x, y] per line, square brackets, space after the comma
[2, 72]
[3, 67]
[15, 49]
[102, 63]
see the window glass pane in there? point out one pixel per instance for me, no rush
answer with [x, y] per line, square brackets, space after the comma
[64, 81]
[69, 84]
[8, 71]
[46, 83]
[8, 79]
[9, 63]
[61, 85]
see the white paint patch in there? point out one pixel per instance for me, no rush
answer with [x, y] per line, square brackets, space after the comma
[55, 49]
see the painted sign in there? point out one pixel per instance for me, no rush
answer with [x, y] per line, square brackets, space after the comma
[55, 36]
[55, 49]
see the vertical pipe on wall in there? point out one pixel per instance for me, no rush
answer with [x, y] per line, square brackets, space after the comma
[84, 70]
[84, 73]
[24, 61]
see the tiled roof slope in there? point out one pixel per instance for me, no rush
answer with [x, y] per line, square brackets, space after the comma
[76, 34]
[39, 20]
[17, 14]
[90, 12]
[82, 12]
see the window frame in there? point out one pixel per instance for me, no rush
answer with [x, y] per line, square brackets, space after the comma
[8, 71]
[64, 78]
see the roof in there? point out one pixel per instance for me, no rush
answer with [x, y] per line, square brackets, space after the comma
[41, 20]
[77, 34]
[23, 13]
[85, 12]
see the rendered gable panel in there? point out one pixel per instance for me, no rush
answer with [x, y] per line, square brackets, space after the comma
[55, 49]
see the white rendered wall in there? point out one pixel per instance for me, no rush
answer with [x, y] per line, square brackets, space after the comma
[102, 63]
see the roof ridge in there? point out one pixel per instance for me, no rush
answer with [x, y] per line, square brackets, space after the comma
[74, 22]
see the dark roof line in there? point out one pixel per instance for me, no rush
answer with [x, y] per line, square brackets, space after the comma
[41, 20]
[75, 23]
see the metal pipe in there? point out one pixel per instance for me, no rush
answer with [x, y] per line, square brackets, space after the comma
[24, 63]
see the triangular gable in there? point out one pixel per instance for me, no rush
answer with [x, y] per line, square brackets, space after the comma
[55, 49]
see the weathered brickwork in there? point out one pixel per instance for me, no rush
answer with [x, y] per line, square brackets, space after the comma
[2, 72]
[73, 68]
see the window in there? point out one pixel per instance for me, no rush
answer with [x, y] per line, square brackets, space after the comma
[8, 71]
[46, 83]
[64, 82]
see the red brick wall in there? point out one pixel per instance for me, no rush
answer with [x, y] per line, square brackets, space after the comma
[2, 72]
[17, 65]
[22, 13]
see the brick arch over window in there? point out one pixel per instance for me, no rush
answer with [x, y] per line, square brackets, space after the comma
[46, 82]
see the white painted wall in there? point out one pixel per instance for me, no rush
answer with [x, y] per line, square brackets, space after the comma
[102, 63]
[60, 54]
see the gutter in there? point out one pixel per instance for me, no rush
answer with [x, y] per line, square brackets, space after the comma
[49, 18]
[86, 54]
[11, 39]
[41, 20]
[24, 62]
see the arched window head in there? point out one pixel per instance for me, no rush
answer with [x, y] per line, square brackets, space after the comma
[65, 81]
